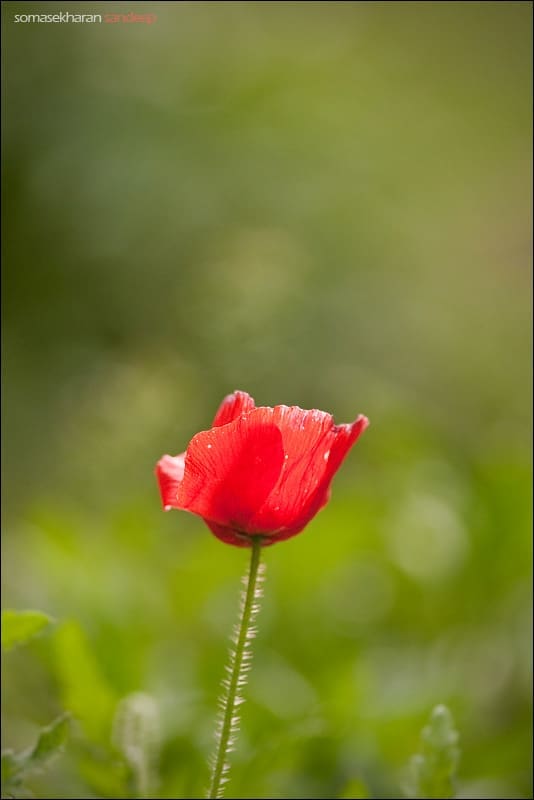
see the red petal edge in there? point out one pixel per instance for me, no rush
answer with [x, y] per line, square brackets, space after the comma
[170, 473]
[232, 407]
[230, 536]
[312, 463]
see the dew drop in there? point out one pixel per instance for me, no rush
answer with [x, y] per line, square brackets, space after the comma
[209, 447]
[326, 455]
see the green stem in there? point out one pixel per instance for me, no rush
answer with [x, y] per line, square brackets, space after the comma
[240, 660]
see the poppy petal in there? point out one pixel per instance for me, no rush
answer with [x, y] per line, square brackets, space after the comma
[344, 436]
[232, 407]
[258, 471]
[229, 535]
[230, 470]
[313, 451]
[306, 437]
[169, 472]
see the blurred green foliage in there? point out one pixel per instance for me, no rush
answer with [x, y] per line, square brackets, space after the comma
[17, 766]
[325, 204]
[432, 771]
[19, 627]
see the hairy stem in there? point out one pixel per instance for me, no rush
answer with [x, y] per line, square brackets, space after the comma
[237, 669]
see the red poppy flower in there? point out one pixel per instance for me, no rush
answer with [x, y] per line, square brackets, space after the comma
[258, 471]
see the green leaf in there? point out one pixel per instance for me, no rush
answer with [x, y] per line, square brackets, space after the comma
[432, 771]
[51, 740]
[16, 766]
[85, 690]
[11, 768]
[18, 627]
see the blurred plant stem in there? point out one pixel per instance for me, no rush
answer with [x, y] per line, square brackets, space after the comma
[237, 669]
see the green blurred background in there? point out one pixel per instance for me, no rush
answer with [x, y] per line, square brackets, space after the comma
[324, 204]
